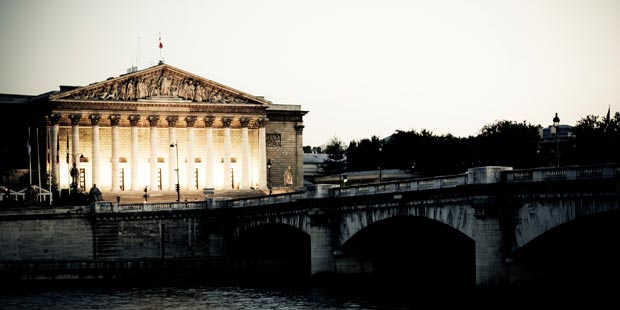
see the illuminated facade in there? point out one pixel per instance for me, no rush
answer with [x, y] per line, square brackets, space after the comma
[126, 133]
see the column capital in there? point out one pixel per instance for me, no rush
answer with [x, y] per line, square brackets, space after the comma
[134, 119]
[114, 119]
[172, 120]
[190, 120]
[54, 118]
[262, 122]
[94, 118]
[153, 120]
[226, 121]
[209, 121]
[245, 122]
[75, 118]
[299, 129]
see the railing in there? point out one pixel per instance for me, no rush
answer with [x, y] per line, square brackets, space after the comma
[402, 186]
[563, 173]
[108, 206]
[478, 175]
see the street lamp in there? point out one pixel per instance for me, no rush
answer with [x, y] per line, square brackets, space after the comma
[556, 125]
[269, 175]
[345, 179]
[176, 186]
[380, 169]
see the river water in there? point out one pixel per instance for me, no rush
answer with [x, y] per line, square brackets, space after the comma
[183, 297]
[222, 297]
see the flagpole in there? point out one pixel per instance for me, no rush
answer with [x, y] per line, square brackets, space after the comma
[49, 164]
[29, 159]
[161, 46]
[38, 161]
[68, 166]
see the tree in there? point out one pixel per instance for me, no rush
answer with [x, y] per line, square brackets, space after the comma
[364, 154]
[336, 160]
[508, 143]
[597, 140]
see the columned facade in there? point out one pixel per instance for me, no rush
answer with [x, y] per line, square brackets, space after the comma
[135, 160]
[94, 120]
[173, 150]
[191, 183]
[114, 136]
[154, 181]
[217, 137]
[209, 160]
[228, 173]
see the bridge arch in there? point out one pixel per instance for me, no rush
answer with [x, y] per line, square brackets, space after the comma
[577, 252]
[457, 216]
[272, 252]
[409, 251]
[537, 217]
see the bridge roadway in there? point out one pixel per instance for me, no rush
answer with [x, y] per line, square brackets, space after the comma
[466, 229]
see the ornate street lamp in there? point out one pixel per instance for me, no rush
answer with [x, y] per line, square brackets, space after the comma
[269, 175]
[176, 186]
[380, 169]
[556, 125]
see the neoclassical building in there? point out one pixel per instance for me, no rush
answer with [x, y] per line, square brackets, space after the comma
[163, 126]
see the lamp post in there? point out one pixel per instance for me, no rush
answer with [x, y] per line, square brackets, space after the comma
[176, 186]
[556, 125]
[269, 175]
[380, 169]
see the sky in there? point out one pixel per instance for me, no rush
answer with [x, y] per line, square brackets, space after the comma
[360, 68]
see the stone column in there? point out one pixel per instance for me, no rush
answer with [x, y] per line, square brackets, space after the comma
[262, 153]
[190, 121]
[321, 244]
[133, 120]
[490, 258]
[75, 144]
[226, 121]
[153, 120]
[75, 135]
[245, 153]
[209, 161]
[55, 172]
[299, 157]
[114, 120]
[95, 164]
[172, 138]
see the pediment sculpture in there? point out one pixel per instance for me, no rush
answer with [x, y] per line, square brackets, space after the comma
[165, 82]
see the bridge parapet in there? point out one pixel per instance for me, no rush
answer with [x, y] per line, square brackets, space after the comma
[477, 175]
[109, 206]
[562, 173]
[402, 186]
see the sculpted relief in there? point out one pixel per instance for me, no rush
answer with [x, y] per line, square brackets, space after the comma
[161, 85]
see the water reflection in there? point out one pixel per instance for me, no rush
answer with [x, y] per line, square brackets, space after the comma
[294, 298]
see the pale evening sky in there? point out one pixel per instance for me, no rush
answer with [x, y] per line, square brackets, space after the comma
[361, 68]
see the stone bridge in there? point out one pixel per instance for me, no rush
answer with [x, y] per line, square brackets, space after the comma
[477, 228]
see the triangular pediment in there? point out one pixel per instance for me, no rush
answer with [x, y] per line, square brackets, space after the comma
[161, 82]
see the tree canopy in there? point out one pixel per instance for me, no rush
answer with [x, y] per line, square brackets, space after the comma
[594, 140]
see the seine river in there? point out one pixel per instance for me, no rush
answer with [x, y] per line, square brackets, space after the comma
[226, 297]
[242, 297]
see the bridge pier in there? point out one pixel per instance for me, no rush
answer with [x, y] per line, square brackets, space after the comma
[490, 258]
[321, 244]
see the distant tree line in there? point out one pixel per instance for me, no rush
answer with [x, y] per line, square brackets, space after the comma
[594, 140]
